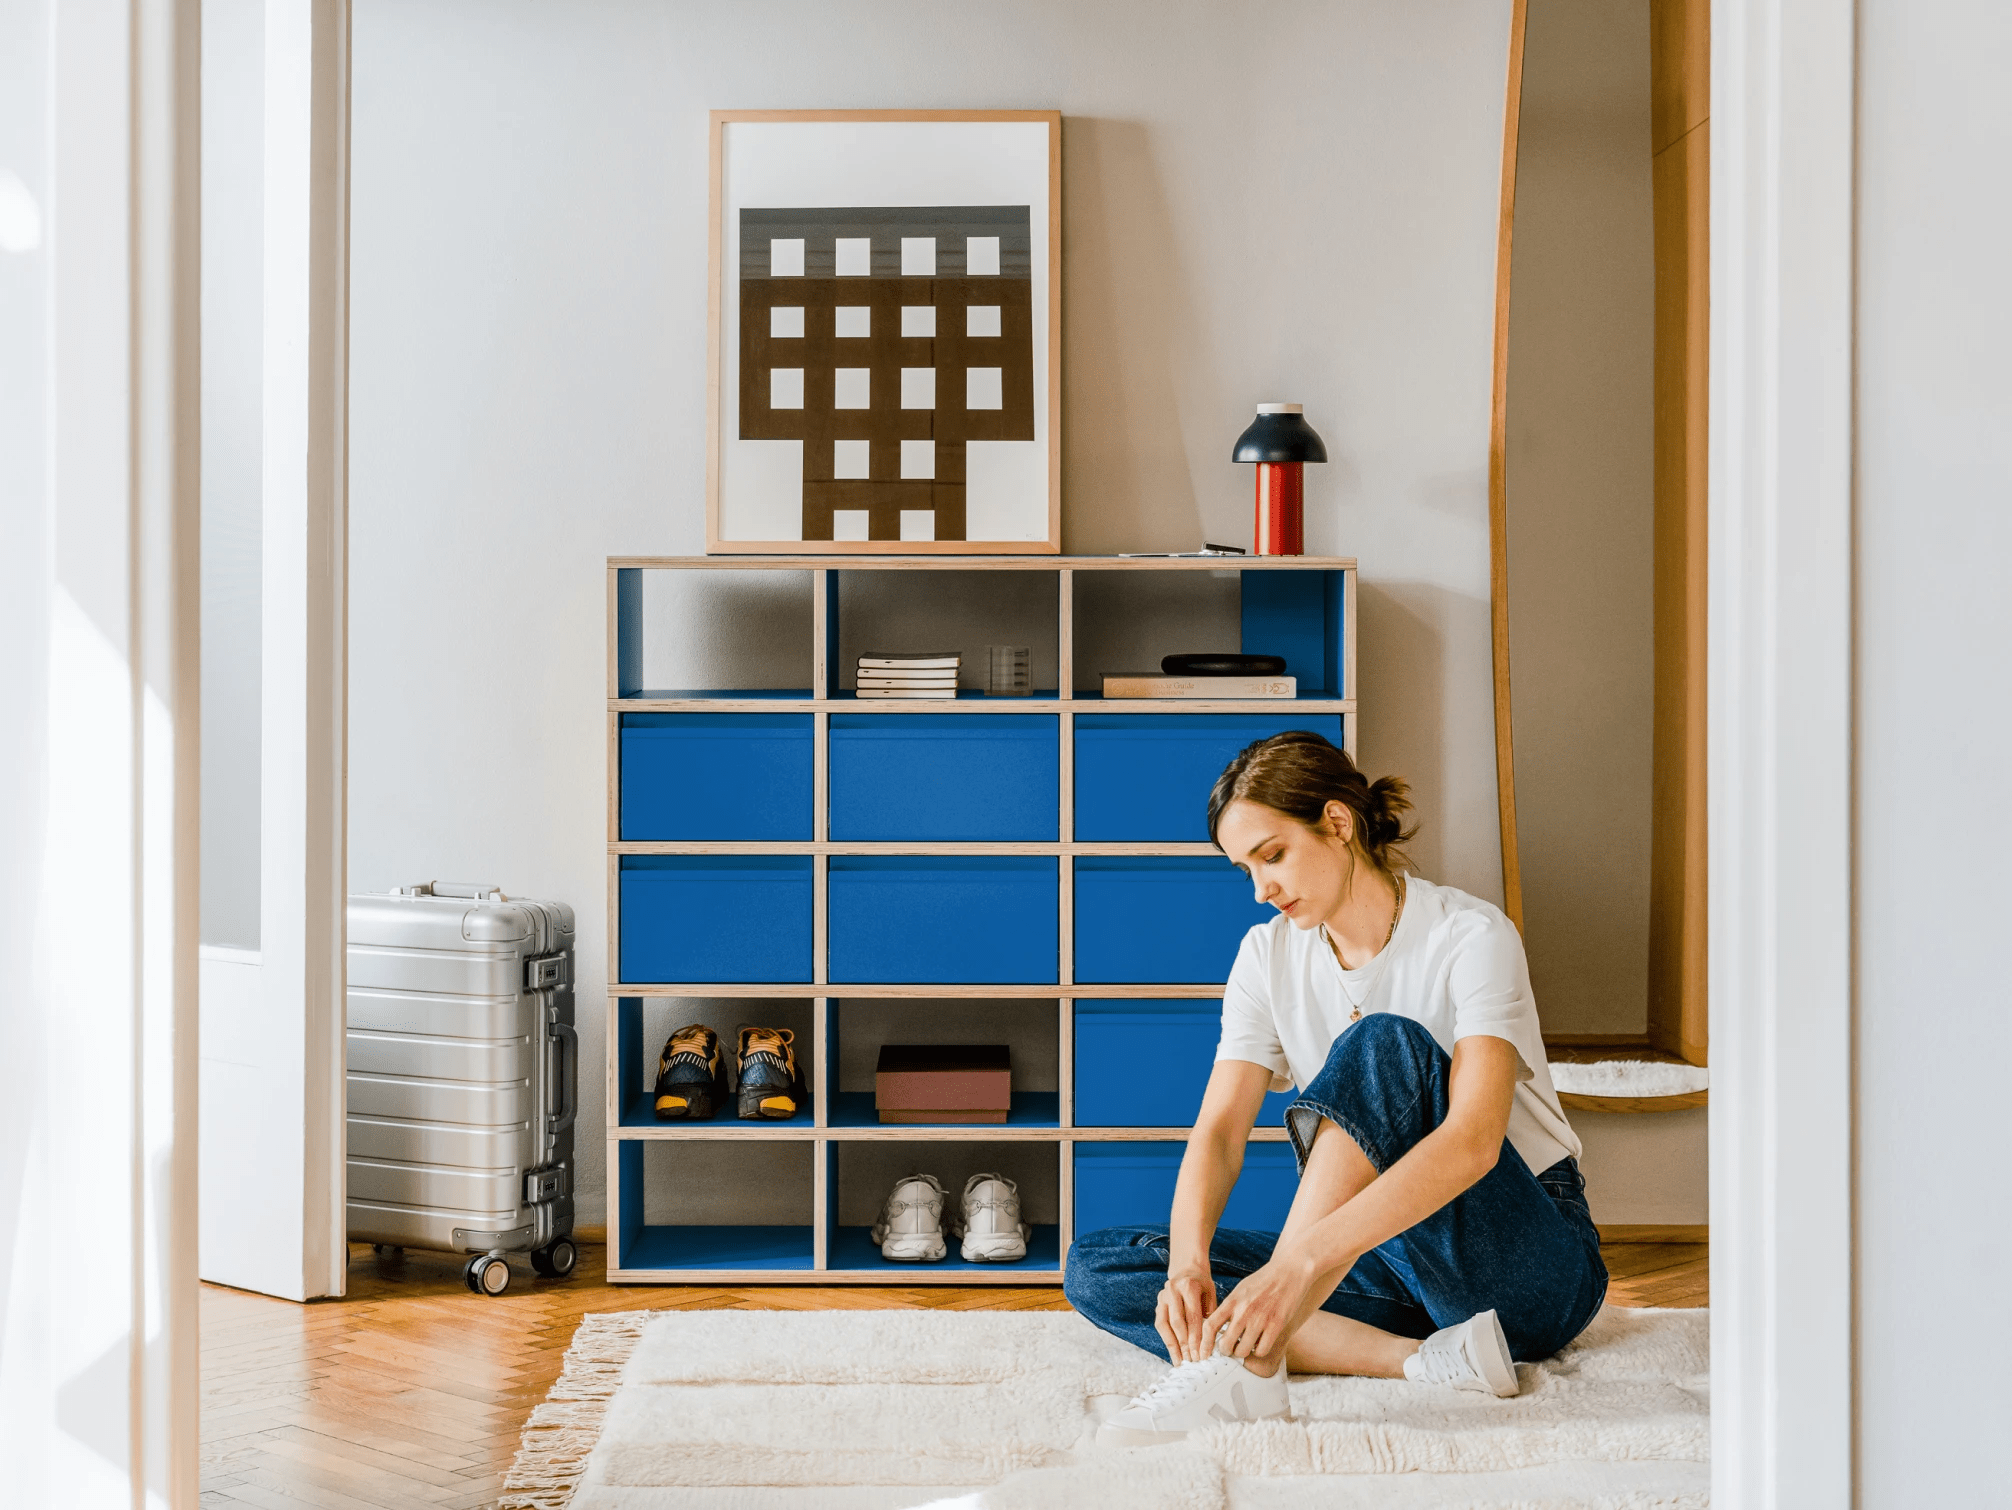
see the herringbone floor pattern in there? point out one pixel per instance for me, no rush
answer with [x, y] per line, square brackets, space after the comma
[408, 1394]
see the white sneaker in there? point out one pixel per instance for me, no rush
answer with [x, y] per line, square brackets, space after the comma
[993, 1231]
[1473, 1355]
[1193, 1396]
[911, 1225]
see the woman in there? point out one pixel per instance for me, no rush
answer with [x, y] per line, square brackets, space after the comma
[1440, 1228]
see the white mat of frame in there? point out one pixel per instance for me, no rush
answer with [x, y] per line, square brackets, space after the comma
[883, 1410]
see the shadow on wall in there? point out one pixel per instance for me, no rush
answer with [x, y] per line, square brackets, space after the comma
[1404, 629]
[1127, 329]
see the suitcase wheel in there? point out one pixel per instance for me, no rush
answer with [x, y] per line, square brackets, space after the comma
[556, 1259]
[487, 1274]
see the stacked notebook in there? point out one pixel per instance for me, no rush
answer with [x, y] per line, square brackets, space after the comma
[908, 673]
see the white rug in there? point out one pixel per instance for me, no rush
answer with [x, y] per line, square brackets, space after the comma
[1629, 1077]
[883, 1410]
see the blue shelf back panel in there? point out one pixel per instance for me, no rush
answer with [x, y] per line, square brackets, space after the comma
[944, 776]
[1147, 775]
[1159, 919]
[1146, 1063]
[854, 1248]
[1132, 1185]
[717, 1247]
[716, 776]
[716, 918]
[907, 919]
[1298, 614]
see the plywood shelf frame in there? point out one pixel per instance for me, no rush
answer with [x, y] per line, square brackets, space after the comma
[627, 693]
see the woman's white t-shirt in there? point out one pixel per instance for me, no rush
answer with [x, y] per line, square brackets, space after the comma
[1455, 965]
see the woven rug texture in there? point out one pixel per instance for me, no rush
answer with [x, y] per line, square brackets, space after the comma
[885, 1410]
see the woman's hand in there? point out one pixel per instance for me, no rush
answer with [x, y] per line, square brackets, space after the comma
[1181, 1317]
[1257, 1318]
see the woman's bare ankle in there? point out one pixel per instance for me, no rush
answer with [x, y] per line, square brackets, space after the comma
[1264, 1368]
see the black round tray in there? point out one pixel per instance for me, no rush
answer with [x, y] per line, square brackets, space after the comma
[1221, 663]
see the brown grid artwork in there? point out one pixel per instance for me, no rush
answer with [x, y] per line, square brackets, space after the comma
[775, 243]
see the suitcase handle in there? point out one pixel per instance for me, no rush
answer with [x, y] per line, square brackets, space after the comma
[569, 1076]
[462, 890]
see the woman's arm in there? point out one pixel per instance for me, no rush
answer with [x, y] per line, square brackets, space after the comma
[1262, 1313]
[1209, 1170]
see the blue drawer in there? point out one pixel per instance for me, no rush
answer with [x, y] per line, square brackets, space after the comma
[1148, 775]
[716, 918]
[1146, 1063]
[945, 776]
[1132, 1185]
[1160, 918]
[716, 776]
[907, 919]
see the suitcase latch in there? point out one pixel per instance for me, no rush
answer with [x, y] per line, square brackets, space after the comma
[547, 970]
[542, 1185]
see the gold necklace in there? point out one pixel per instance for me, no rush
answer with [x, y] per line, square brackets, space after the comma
[1396, 911]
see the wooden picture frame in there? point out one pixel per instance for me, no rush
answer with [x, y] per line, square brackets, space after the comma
[817, 457]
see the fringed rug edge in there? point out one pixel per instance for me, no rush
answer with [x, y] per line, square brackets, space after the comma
[552, 1453]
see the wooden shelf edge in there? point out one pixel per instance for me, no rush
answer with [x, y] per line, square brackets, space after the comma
[1572, 1101]
[1626, 1232]
[924, 1274]
[1035, 559]
[931, 992]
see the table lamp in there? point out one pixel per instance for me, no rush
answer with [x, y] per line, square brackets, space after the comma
[1281, 442]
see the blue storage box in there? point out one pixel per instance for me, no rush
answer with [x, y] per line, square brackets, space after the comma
[1148, 775]
[1132, 1185]
[716, 776]
[945, 776]
[716, 918]
[1159, 919]
[964, 920]
[1146, 1063]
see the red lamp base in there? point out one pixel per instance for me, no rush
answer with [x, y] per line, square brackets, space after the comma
[1281, 509]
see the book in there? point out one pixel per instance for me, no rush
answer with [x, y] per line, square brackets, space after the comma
[906, 681]
[1198, 688]
[945, 694]
[932, 678]
[910, 660]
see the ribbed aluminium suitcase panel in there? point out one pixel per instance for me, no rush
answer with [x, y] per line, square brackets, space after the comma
[497, 1061]
[461, 1061]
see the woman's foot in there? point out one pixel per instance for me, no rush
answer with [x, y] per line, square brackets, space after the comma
[1193, 1396]
[1473, 1355]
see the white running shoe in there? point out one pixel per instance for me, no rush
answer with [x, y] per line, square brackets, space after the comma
[911, 1225]
[1473, 1355]
[993, 1231]
[1193, 1396]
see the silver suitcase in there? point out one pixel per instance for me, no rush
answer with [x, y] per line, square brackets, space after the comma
[463, 1077]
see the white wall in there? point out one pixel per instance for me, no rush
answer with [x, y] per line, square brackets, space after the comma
[1297, 203]
[1582, 511]
[233, 332]
[1934, 814]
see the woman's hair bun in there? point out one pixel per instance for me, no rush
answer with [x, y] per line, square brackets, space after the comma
[1298, 773]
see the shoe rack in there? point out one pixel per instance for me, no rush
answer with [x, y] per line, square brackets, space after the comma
[1082, 910]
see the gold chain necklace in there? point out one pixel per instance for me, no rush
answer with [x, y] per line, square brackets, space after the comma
[1396, 912]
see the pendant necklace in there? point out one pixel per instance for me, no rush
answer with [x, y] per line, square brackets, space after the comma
[1397, 911]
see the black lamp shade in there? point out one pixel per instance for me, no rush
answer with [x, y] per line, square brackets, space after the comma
[1279, 437]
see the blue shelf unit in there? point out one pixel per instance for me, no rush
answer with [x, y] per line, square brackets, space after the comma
[780, 853]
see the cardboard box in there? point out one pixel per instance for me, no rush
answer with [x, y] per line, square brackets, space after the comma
[957, 1082]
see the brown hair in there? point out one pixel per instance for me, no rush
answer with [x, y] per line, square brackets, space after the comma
[1298, 773]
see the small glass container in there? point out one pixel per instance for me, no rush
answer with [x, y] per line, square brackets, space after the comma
[1007, 673]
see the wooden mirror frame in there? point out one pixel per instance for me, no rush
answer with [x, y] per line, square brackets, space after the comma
[1680, 146]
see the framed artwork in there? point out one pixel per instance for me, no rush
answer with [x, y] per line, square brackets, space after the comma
[884, 332]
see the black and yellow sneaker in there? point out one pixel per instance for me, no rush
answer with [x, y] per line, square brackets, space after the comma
[771, 1085]
[691, 1075]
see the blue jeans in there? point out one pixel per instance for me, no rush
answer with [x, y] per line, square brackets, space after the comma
[1518, 1243]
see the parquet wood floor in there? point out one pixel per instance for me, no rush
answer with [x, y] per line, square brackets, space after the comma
[408, 1394]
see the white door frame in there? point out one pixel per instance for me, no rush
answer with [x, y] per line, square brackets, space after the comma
[1780, 717]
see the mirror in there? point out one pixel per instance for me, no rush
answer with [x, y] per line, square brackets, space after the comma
[1597, 507]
